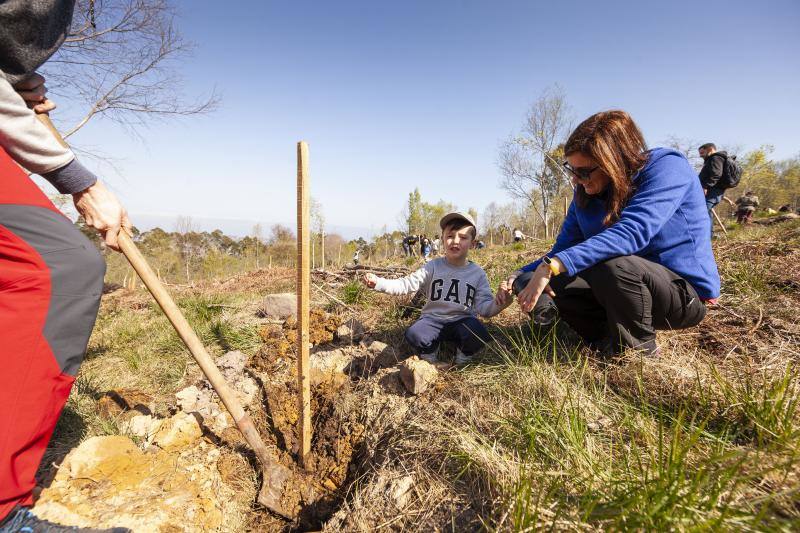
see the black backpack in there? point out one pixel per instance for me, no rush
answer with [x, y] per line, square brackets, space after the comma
[731, 173]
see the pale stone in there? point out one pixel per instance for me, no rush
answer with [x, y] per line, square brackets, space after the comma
[95, 452]
[381, 354]
[377, 347]
[232, 364]
[400, 490]
[143, 426]
[109, 482]
[417, 375]
[188, 399]
[280, 306]
[330, 361]
[350, 331]
[180, 431]
[329, 367]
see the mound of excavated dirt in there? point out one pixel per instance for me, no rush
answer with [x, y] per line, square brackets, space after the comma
[281, 339]
[193, 471]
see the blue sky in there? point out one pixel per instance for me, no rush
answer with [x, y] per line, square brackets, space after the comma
[392, 96]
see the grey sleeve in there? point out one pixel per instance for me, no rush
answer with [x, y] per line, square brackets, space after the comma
[71, 178]
[484, 299]
[405, 285]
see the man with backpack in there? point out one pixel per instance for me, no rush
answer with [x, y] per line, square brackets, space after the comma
[720, 171]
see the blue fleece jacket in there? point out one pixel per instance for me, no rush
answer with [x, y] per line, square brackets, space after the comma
[665, 221]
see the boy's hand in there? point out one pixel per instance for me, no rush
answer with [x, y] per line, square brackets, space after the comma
[370, 280]
[503, 297]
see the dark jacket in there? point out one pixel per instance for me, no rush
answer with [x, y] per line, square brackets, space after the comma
[30, 32]
[713, 168]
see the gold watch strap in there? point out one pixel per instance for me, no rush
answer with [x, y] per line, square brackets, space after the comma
[549, 262]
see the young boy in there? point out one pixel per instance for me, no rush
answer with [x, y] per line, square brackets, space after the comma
[457, 290]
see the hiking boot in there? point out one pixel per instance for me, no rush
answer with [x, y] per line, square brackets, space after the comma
[463, 359]
[22, 520]
[545, 312]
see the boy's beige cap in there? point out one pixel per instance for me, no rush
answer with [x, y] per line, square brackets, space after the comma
[449, 217]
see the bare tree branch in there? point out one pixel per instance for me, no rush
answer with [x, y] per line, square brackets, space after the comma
[125, 68]
[530, 161]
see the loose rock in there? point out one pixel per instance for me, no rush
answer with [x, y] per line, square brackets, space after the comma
[417, 375]
[279, 306]
[142, 426]
[180, 431]
[351, 331]
[109, 482]
[329, 366]
[400, 490]
[383, 355]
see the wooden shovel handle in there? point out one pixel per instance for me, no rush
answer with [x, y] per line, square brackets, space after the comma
[44, 118]
[195, 345]
[185, 331]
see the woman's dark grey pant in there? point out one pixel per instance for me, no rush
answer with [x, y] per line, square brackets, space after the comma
[623, 300]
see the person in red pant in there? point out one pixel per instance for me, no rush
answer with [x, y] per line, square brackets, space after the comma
[51, 276]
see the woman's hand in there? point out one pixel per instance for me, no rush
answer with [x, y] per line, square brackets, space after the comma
[34, 92]
[538, 284]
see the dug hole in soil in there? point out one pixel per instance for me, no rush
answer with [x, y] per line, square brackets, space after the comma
[189, 469]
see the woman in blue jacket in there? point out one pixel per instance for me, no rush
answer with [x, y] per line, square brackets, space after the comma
[634, 254]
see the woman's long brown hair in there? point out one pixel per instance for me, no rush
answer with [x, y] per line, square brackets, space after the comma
[617, 146]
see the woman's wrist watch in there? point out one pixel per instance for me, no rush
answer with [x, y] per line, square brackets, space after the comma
[551, 265]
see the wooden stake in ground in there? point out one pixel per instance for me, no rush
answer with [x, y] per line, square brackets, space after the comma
[303, 297]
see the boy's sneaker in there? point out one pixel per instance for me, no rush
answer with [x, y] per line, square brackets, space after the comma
[463, 359]
[432, 357]
[22, 520]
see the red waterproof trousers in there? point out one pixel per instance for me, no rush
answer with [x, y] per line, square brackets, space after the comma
[51, 278]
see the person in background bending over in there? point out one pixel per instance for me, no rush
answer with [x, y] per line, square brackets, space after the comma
[745, 207]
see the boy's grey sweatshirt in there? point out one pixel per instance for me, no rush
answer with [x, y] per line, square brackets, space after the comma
[452, 292]
[30, 32]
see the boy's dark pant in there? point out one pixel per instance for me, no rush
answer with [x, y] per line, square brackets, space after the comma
[468, 334]
[625, 299]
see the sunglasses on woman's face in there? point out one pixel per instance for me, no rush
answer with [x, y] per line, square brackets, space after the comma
[580, 173]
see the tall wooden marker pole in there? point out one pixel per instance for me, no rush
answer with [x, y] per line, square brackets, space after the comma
[303, 300]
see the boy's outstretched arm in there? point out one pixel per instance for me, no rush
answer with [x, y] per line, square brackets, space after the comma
[486, 303]
[405, 285]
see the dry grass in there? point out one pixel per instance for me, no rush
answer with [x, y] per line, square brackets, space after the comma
[539, 434]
